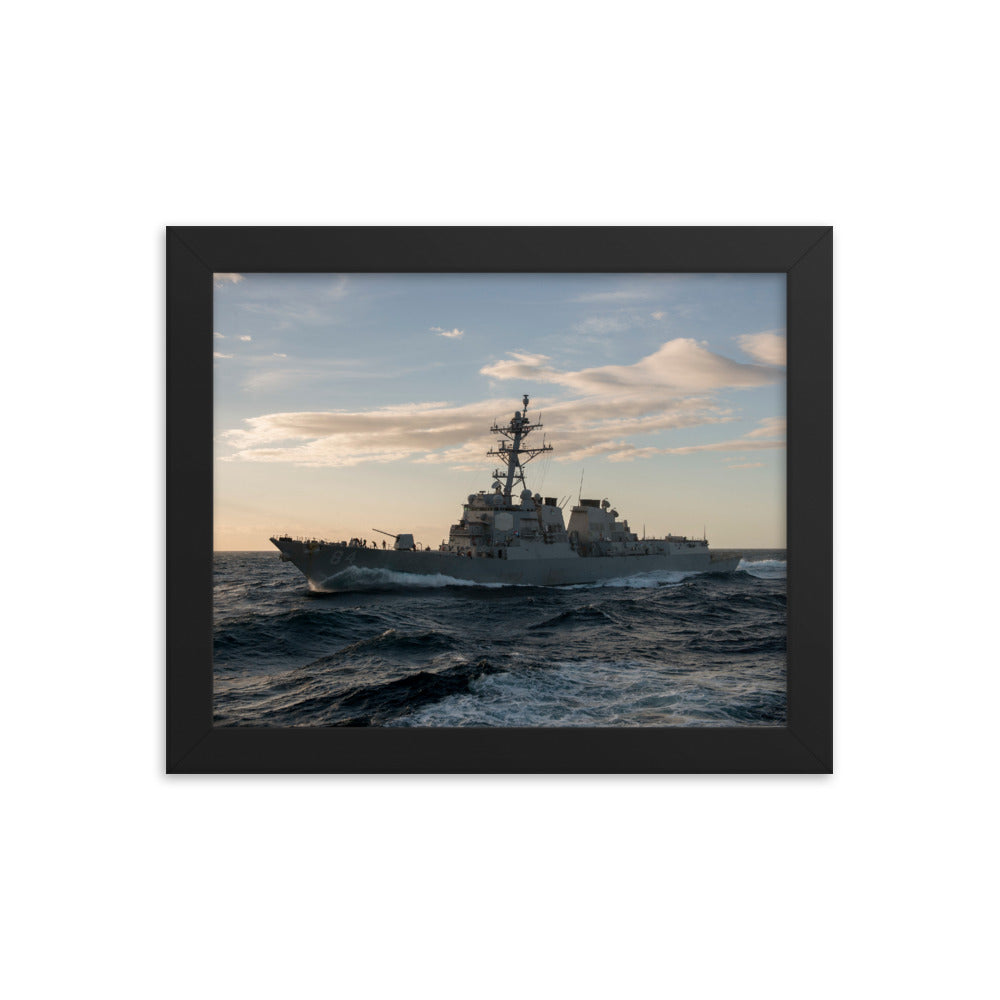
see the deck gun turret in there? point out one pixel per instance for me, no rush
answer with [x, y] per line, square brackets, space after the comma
[404, 543]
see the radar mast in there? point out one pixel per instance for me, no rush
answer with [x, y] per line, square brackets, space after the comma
[511, 449]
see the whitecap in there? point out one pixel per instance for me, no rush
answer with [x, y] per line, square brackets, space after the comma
[363, 578]
[638, 581]
[765, 569]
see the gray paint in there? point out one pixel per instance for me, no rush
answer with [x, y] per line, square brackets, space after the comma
[502, 540]
[322, 562]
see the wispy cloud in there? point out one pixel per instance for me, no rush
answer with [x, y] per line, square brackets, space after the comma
[768, 434]
[630, 293]
[277, 376]
[220, 336]
[672, 389]
[297, 312]
[677, 367]
[746, 465]
[272, 373]
[338, 288]
[246, 339]
[601, 325]
[314, 303]
[659, 314]
[281, 378]
[768, 347]
[221, 277]
[736, 444]
[452, 334]
[770, 427]
[219, 354]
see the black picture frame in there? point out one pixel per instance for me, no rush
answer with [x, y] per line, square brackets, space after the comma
[803, 253]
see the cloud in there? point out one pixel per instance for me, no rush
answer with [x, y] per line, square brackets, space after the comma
[342, 438]
[453, 334]
[747, 465]
[338, 289]
[768, 434]
[523, 366]
[444, 434]
[288, 314]
[222, 277]
[246, 339]
[280, 378]
[630, 293]
[672, 389]
[276, 376]
[738, 444]
[219, 354]
[768, 347]
[221, 336]
[770, 427]
[658, 315]
[679, 366]
[601, 325]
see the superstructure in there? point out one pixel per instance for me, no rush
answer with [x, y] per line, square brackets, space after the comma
[509, 535]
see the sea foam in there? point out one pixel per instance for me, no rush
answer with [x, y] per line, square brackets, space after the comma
[363, 578]
[765, 569]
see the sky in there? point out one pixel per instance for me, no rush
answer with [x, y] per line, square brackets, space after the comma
[345, 403]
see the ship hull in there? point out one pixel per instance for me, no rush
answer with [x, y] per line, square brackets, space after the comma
[338, 567]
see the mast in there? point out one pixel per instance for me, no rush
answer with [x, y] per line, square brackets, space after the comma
[512, 451]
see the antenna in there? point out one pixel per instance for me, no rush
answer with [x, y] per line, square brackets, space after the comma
[512, 451]
[580, 494]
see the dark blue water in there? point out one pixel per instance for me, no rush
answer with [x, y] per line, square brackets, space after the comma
[661, 649]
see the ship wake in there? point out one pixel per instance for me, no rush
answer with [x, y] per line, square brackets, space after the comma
[638, 581]
[364, 578]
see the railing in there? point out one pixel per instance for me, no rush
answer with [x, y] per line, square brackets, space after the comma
[285, 537]
[343, 544]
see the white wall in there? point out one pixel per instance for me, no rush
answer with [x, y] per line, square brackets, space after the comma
[876, 118]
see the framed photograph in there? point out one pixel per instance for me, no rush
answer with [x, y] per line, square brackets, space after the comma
[499, 500]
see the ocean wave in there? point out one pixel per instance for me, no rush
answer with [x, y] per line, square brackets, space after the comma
[364, 578]
[375, 704]
[745, 640]
[638, 581]
[589, 614]
[590, 692]
[263, 636]
[653, 649]
[764, 569]
[396, 641]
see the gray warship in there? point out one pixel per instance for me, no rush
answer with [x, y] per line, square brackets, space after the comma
[508, 536]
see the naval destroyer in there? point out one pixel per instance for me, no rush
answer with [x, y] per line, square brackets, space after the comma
[508, 535]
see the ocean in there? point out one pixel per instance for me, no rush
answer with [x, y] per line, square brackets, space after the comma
[657, 649]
